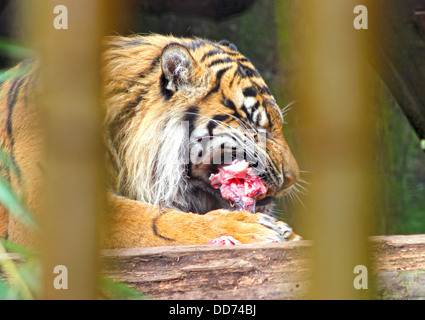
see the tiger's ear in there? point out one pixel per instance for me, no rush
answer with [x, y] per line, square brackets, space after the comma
[177, 66]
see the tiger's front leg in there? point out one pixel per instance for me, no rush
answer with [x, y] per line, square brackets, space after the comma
[135, 224]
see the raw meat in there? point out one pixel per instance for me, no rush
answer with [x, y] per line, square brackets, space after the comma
[239, 184]
[223, 240]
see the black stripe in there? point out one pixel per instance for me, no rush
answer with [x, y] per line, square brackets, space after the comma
[191, 115]
[228, 44]
[152, 67]
[215, 121]
[248, 115]
[167, 94]
[218, 61]
[130, 110]
[232, 53]
[269, 119]
[211, 53]
[251, 73]
[240, 71]
[266, 176]
[250, 92]
[219, 75]
[255, 106]
[155, 230]
[219, 50]
[221, 72]
[131, 107]
[264, 90]
[229, 104]
[233, 78]
[195, 44]
[11, 101]
[11, 98]
[274, 167]
[259, 117]
[264, 104]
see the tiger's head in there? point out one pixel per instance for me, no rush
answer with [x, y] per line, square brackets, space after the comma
[177, 109]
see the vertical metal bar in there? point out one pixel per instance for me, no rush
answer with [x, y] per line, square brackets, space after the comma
[68, 40]
[333, 107]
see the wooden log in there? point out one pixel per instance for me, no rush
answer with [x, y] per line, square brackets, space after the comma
[258, 271]
[399, 266]
[261, 271]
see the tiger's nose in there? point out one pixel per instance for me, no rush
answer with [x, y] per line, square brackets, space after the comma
[289, 179]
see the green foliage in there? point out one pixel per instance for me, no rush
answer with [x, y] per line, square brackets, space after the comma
[8, 74]
[401, 169]
[23, 278]
[14, 50]
[113, 289]
[16, 206]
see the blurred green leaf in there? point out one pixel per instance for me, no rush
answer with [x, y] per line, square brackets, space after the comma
[18, 287]
[15, 50]
[10, 74]
[15, 206]
[6, 292]
[30, 274]
[117, 290]
[7, 162]
[16, 248]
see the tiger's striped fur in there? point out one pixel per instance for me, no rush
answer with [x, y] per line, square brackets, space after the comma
[172, 106]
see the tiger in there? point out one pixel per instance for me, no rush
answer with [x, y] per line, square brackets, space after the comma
[163, 96]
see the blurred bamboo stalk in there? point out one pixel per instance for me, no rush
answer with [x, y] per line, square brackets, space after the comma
[70, 103]
[333, 104]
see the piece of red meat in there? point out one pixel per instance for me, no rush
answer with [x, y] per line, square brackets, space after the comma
[239, 184]
[224, 240]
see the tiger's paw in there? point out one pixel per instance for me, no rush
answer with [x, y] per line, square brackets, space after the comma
[246, 227]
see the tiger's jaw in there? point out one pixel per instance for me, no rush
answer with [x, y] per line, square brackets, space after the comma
[200, 197]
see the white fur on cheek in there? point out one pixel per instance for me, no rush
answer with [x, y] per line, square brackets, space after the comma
[156, 161]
